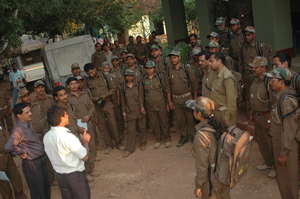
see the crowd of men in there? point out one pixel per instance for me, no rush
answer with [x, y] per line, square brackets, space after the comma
[126, 94]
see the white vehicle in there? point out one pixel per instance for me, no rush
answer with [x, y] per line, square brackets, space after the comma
[30, 60]
[59, 56]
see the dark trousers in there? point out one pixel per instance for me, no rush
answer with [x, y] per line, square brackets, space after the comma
[74, 186]
[36, 175]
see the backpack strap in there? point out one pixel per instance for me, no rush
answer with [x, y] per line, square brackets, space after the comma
[279, 105]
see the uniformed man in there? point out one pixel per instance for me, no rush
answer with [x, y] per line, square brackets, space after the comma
[214, 36]
[251, 48]
[140, 50]
[60, 96]
[236, 42]
[40, 103]
[5, 103]
[182, 88]
[133, 65]
[98, 57]
[222, 89]
[117, 49]
[131, 45]
[205, 68]
[85, 112]
[197, 70]
[155, 91]
[205, 147]
[223, 32]
[152, 41]
[156, 56]
[260, 112]
[193, 43]
[214, 47]
[117, 70]
[132, 103]
[115, 80]
[102, 98]
[284, 125]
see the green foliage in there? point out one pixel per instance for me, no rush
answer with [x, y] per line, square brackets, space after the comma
[56, 17]
[190, 10]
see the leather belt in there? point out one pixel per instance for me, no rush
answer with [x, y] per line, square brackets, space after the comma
[182, 96]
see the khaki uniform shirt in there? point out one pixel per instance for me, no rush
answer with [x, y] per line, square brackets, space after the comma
[155, 90]
[204, 151]
[99, 87]
[224, 38]
[236, 42]
[259, 96]
[222, 89]
[132, 100]
[82, 104]
[249, 52]
[286, 129]
[39, 108]
[140, 50]
[160, 65]
[182, 81]
[131, 48]
[98, 58]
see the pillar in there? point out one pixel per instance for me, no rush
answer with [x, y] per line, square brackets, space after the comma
[174, 14]
[206, 19]
[272, 19]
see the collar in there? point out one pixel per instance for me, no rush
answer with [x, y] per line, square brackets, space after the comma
[23, 124]
[60, 128]
[221, 72]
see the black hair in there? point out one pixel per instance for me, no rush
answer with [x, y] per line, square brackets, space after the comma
[193, 35]
[219, 56]
[205, 53]
[70, 79]
[131, 37]
[139, 36]
[57, 89]
[89, 66]
[54, 115]
[18, 108]
[97, 44]
[283, 57]
[219, 126]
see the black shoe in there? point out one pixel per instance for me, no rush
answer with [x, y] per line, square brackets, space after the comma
[182, 141]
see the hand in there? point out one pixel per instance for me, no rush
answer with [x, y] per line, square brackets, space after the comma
[198, 193]
[143, 110]
[85, 137]
[86, 118]
[24, 156]
[171, 106]
[282, 160]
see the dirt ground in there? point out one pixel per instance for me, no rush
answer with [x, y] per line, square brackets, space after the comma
[166, 174]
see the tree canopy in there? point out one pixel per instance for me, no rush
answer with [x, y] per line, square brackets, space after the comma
[54, 17]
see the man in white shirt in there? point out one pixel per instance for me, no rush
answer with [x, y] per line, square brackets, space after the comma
[67, 155]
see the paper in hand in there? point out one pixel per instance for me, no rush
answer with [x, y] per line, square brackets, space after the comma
[82, 124]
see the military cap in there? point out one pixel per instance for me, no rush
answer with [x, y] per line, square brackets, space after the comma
[250, 29]
[213, 34]
[280, 73]
[130, 55]
[105, 63]
[79, 77]
[75, 66]
[196, 51]
[213, 44]
[23, 92]
[154, 46]
[114, 57]
[234, 21]
[174, 52]
[70, 79]
[39, 83]
[129, 71]
[259, 61]
[220, 21]
[150, 64]
[124, 51]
